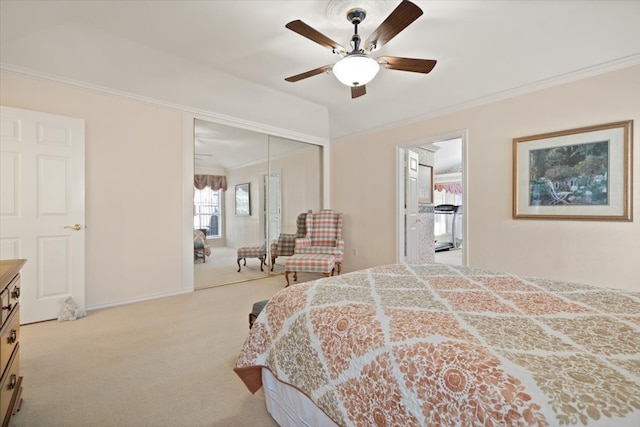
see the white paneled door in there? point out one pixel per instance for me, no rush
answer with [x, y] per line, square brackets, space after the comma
[275, 206]
[42, 208]
[411, 206]
[271, 202]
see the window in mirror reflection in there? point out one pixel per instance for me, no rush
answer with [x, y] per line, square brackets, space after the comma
[206, 211]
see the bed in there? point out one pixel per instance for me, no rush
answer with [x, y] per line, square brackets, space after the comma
[441, 345]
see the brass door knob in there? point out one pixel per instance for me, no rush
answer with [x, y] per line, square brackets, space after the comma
[76, 227]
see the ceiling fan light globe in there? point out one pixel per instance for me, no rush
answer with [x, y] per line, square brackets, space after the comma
[356, 69]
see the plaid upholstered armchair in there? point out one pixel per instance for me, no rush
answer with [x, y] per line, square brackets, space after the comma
[286, 243]
[324, 236]
[201, 248]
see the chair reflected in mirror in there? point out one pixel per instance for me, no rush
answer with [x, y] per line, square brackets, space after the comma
[286, 243]
[201, 249]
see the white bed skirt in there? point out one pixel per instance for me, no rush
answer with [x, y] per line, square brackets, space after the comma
[289, 407]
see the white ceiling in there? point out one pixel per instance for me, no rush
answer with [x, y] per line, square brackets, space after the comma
[447, 156]
[485, 50]
[219, 148]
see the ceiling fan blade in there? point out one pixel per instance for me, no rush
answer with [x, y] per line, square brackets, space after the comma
[357, 91]
[306, 31]
[398, 20]
[407, 64]
[309, 73]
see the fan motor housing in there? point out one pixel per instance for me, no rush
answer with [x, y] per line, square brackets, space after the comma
[356, 15]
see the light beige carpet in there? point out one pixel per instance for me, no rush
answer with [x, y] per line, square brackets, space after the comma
[165, 362]
[221, 268]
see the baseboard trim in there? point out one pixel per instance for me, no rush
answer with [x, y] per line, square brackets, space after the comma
[140, 299]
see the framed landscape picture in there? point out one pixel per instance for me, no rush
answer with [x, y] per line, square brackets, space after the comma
[582, 174]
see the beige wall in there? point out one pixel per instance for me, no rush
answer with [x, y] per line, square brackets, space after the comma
[300, 185]
[301, 180]
[136, 191]
[591, 252]
[135, 180]
[133, 188]
[243, 230]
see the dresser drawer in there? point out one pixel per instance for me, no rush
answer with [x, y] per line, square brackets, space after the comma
[9, 338]
[10, 379]
[5, 308]
[14, 291]
[9, 298]
[10, 383]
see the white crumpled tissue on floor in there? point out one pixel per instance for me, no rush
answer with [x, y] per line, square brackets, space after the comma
[70, 310]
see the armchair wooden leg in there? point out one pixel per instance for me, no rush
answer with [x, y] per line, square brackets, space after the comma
[261, 263]
[200, 253]
[286, 276]
[273, 262]
[245, 263]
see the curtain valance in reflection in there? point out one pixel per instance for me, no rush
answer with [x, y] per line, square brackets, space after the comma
[215, 182]
[453, 188]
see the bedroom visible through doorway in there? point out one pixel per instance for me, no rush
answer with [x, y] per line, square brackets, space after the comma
[441, 200]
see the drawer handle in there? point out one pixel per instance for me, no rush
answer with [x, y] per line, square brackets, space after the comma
[7, 307]
[13, 336]
[15, 294]
[12, 382]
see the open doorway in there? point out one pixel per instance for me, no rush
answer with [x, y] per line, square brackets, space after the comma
[443, 158]
[447, 199]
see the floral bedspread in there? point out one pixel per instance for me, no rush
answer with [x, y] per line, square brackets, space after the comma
[439, 345]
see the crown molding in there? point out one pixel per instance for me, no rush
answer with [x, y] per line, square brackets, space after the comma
[197, 113]
[605, 67]
[447, 177]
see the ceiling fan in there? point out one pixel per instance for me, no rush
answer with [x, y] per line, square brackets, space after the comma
[357, 68]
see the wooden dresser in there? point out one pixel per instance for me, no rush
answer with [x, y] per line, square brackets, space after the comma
[11, 381]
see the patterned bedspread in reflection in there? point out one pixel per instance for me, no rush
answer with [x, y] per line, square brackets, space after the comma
[431, 344]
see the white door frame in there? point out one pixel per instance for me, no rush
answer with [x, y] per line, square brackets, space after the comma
[400, 184]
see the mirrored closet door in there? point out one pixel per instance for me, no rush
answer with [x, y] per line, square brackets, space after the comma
[255, 186]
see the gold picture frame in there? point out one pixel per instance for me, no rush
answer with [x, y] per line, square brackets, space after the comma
[576, 174]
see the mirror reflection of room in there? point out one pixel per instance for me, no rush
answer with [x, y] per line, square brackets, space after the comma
[249, 188]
